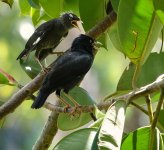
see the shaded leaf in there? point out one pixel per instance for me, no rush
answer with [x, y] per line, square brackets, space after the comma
[78, 140]
[65, 122]
[31, 66]
[6, 78]
[139, 139]
[9, 2]
[115, 4]
[89, 18]
[112, 127]
[138, 28]
[35, 14]
[24, 6]
[52, 7]
[71, 5]
[160, 119]
[34, 3]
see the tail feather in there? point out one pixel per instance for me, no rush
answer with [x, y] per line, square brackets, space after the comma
[23, 53]
[40, 100]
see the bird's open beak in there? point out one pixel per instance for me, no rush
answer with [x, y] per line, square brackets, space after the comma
[75, 24]
[97, 45]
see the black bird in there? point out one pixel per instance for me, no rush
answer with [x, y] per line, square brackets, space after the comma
[48, 35]
[67, 70]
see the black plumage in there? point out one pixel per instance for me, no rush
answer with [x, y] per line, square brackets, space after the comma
[48, 35]
[68, 70]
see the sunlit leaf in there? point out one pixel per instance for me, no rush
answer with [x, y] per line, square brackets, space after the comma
[146, 76]
[24, 7]
[6, 78]
[112, 127]
[65, 122]
[140, 138]
[78, 140]
[97, 123]
[138, 28]
[9, 2]
[159, 7]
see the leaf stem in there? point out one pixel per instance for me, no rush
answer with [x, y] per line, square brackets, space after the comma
[149, 107]
[136, 75]
[153, 125]
[140, 108]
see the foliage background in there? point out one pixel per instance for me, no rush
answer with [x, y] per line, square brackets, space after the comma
[21, 129]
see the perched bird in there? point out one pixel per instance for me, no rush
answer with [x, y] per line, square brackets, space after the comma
[67, 70]
[48, 35]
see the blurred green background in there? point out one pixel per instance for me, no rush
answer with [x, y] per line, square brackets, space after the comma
[20, 129]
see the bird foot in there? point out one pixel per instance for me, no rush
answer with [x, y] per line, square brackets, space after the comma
[46, 70]
[66, 108]
[74, 112]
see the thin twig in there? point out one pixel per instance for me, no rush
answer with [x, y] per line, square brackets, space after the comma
[140, 108]
[153, 125]
[149, 107]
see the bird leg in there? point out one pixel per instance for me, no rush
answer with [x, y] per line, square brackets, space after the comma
[77, 105]
[64, 102]
[46, 70]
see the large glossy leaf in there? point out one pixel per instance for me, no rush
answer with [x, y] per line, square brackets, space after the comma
[78, 140]
[146, 76]
[91, 13]
[138, 28]
[112, 127]
[52, 7]
[6, 78]
[139, 139]
[71, 5]
[159, 7]
[30, 65]
[65, 122]
[9, 2]
[24, 7]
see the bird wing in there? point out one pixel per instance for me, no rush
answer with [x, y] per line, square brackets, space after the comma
[67, 68]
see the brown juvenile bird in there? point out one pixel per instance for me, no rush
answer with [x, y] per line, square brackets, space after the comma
[48, 35]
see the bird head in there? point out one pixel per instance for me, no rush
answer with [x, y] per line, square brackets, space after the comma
[83, 42]
[70, 20]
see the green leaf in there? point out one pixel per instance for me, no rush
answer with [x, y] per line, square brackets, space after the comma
[146, 76]
[71, 5]
[139, 139]
[138, 28]
[31, 66]
[52, 7]
[89, 18]
[115, 4]
[112, 127]
[6, 78]
[34, 3]
[78, 140]
[113, 34]
[65, 122]
[35, 14]
[24, 7]
[9, 2]
[97, 123]
[159, 7]
[161, 120]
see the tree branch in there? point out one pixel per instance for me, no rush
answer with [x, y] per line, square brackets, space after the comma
[49, 131]
[35, 84]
